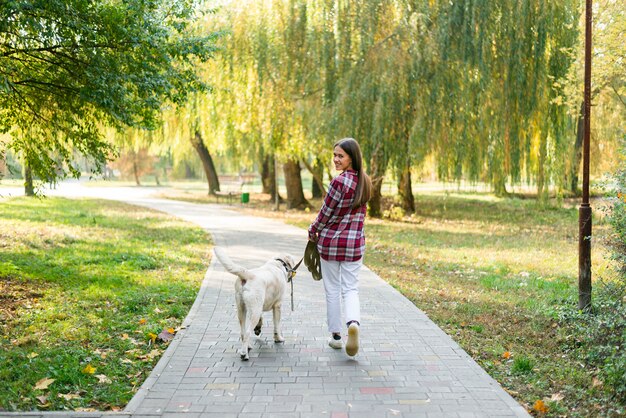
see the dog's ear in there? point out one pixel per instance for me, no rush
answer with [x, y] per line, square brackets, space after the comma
[290, 260]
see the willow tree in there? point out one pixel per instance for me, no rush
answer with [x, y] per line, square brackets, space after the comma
[473, 85]
[265, 58]
[494, 103]
[369, 92]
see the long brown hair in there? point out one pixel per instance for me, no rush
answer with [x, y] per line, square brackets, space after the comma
[364, 186]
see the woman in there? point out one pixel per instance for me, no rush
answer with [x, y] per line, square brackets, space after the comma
[338, 232]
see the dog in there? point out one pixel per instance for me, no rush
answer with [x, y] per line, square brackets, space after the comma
[258, 290]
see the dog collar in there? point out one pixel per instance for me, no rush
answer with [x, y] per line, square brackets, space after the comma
[291, 272]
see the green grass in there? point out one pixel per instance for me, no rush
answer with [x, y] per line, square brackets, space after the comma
[496, 275]
[85, 282]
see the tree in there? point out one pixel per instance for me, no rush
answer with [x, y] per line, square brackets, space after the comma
[68, 67]
[475, 87]
[608, 93]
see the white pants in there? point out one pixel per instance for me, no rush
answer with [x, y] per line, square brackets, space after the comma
[341, 283]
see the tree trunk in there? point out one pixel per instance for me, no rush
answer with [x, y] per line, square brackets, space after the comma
[268, 177]
[316, 191]
[293, 182]
[29, 189]
[136, 169]
[375, 204]
[542, 187]
[189, 171]
[499, 185]
[378, 166]
[207, 163]
[578, 151]
[3, 167]
[404, 189]
[317, 184]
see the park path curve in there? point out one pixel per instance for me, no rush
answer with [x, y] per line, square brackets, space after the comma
[407, 366]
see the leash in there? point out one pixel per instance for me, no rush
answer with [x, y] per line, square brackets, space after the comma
[291, 273]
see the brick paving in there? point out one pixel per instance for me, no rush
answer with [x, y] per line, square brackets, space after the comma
[406, 367]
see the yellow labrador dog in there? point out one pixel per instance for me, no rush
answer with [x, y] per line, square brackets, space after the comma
[258, 290]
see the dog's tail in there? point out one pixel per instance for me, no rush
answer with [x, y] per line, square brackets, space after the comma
[230, 266]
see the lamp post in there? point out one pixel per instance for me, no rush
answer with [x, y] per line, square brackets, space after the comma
[584, 212]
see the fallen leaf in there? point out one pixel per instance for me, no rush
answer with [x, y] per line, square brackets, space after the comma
[103, 379]
[596, 382]
[43, 399]
[32, 355]
[142, 321]
[157, 310]
[127, 361]
[171, 331]
[557, 397]
[151, 355]
[44, 383]
[102, 354]
[89, 369]
[166, 335]
[506, 355]
[540, 407]
[152, 336]
[124, 336]
[69, 396]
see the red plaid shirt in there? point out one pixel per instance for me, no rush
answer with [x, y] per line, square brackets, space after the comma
[339, 227]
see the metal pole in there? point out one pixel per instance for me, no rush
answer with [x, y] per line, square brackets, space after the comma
[584, 212]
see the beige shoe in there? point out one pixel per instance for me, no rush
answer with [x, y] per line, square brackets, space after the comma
[352, 346]
[336, 344]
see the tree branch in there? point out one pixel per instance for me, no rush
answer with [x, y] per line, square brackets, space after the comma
[317, 178]
[619, 96]
[29, 106]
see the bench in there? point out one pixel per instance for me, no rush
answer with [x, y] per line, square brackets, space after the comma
[230, 187]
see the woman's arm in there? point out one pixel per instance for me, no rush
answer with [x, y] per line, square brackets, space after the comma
[333, 197]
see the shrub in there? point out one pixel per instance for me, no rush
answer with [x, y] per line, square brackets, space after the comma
[617, 219]
[599, 338]
[395, 213]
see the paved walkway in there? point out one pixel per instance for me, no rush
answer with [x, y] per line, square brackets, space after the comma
[407, 366]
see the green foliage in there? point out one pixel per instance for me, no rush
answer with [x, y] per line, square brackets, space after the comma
[522, 365]
[395, 213]
[599, 338]
[78, 279]
[602, 335]
[71, 66]
[617, 220]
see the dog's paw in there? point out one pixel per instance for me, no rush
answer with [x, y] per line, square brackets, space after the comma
[244, 353]
[278, 338]
[257, 331]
